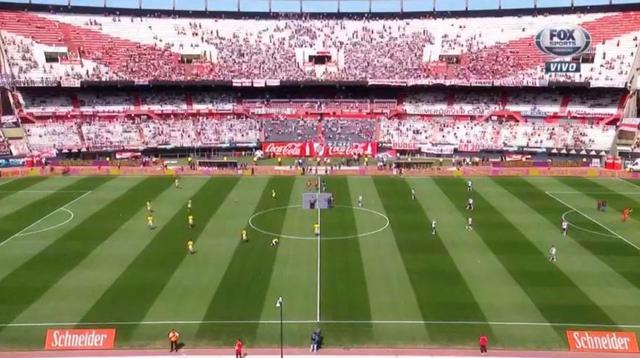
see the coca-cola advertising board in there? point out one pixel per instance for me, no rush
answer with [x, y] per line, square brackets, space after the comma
[286, 149]
[318, 149]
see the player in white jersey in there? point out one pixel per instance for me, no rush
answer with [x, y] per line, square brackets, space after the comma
[275, 242]
[470, 204]
[553, 254]
[360, 201]
[565, 227]
[413, 194]
[433, 228]
[469, 223]
[469, 185]
[149, 208]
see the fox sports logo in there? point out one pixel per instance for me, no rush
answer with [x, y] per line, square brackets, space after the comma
[563, 41]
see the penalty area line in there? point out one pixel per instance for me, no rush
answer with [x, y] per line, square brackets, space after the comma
[592, 219]
[22, 232]
[346, 322]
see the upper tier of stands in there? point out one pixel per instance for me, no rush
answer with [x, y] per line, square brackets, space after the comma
[149, 48]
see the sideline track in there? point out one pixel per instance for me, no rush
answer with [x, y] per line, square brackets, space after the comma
[325, 352]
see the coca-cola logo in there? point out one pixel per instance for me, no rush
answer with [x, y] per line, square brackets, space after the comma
[284, 149]
[349, 150]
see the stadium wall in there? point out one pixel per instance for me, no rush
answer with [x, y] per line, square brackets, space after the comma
[353, 171]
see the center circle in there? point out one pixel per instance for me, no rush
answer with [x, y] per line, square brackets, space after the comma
[254, 222]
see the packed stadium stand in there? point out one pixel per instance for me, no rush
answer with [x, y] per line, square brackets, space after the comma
[70, 47]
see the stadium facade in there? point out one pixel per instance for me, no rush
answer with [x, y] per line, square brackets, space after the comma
[89, 79]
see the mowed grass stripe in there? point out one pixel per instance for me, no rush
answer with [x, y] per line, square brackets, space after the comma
[344, 294]
[617, 254]
[440, 290]
[154, 266]
[540, 279]
[242, 291]
[598, 191]
[19, 184]
[20, 219]
[28, 282]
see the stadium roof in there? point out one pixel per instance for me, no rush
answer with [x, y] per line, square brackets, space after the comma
[330, 6]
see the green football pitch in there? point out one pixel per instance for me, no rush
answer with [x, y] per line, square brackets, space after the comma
[77, 252]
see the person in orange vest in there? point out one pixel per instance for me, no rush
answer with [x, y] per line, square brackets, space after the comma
[625, 214]
[238, 348]
[174, 337]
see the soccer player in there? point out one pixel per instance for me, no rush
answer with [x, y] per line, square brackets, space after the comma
[553, 254]
[150, 221]
[470, 204]
[149, 209]
[275, 242]
[626, 213]
[469, 223]
[469, 185]
[316, 229]
[243, 235]
[433, 228]
[176, 183]
[273, 194]
[413, 194]
[190, 247]
[360, 201]
[190, 221]
[565, 227]
[189, 205]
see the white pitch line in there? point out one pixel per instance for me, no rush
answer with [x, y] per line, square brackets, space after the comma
[71, 216]
[346, 322]
[6, 182]
[43, 191]
[43, 218]
[319, 228]
[593, 220]
[595, 192]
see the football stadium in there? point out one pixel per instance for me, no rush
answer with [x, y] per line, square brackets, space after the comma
[348, 178]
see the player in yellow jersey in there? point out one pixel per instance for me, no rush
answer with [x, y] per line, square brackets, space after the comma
[150, 222]
[316, 229]
[243, 235]
[149, 209]
[190, 221]
[273, 193]
[190, 247]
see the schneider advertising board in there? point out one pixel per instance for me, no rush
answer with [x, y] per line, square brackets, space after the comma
[563, 41]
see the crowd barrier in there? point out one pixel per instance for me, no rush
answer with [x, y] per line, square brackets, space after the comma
[359, 171]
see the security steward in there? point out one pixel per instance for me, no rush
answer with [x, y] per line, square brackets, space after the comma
[174, 338]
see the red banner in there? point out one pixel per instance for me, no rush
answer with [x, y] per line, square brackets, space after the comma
[362, 149]
[71, 339]
[317, 149]
[602, 341]
[287, 149]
